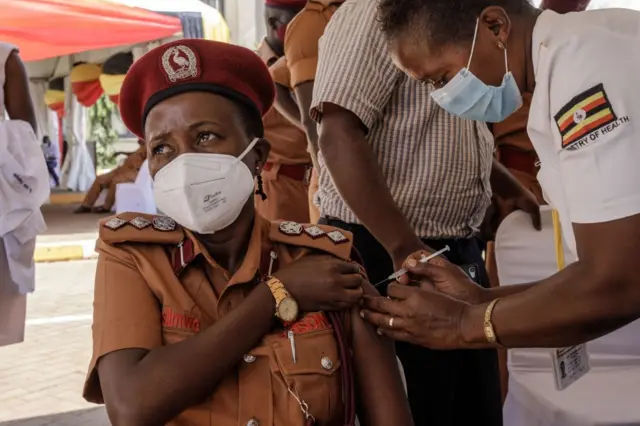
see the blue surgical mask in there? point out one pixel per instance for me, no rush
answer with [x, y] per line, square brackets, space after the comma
[468, 97]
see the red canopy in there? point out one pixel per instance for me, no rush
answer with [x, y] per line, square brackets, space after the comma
[49, 28]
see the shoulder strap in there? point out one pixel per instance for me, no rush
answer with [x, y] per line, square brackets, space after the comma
[140, 228]
[323, 238]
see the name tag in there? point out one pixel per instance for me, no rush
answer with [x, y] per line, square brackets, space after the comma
[569, 365]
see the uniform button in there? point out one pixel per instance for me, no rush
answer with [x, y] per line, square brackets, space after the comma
[326, 363]
[253, 422]
[249, 359]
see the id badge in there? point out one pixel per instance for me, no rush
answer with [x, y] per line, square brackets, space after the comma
[569, 365]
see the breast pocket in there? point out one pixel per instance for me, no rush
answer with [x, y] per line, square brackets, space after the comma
[313, 377]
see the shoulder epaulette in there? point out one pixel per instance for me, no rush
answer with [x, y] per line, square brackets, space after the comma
[325, 238]
[140, 228]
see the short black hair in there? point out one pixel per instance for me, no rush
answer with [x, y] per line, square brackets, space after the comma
[251, 120]
[441, 21]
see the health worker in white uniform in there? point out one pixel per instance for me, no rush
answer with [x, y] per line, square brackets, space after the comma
[584, 122]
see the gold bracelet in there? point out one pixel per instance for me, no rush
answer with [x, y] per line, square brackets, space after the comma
[489, 331]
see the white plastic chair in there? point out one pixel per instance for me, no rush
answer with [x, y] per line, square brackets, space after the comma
[136, 196]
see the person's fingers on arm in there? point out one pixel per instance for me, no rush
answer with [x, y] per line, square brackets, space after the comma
[383, 305]
[347, 268]
[429, 272]
[536, 219]
[383, 321]
[352, 281]
[399, 292]
[351, 296]
[414, 258]
[394, 334]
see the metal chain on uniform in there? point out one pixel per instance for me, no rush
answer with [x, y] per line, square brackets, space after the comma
[303, 405]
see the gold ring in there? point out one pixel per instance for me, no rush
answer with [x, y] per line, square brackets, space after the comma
[390, 322]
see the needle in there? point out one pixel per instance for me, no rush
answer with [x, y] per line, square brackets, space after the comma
[423, 259]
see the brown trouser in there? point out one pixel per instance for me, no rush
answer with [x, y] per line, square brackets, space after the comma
[286, 195]
[108, 181]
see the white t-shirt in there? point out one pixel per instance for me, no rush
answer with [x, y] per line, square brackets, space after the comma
[584, 120]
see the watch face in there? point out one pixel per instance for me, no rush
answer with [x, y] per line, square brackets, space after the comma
[288, 309]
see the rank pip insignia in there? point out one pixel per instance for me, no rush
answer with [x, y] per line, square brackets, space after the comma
[314, 232]
[163, 223]
[140, 223]
[291, 228]
[115, 223]
[337, 237]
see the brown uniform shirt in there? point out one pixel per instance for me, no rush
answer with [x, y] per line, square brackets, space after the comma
[141, 301]
[288, 143]
[302, 37]
[280, 72]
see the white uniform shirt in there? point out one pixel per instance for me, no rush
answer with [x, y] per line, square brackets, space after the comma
[584, 120]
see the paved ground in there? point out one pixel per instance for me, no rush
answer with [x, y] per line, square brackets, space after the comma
[64, 225]
[41, 379]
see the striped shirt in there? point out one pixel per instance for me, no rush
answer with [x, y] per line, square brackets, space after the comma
[437, 166]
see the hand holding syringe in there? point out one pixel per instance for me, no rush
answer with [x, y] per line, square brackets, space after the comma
[423, 259]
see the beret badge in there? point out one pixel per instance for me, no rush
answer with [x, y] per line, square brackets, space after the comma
[180, 63]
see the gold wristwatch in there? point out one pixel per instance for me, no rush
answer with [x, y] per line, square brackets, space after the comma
[286, 306]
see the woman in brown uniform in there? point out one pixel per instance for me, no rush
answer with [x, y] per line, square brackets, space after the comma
[219, 319]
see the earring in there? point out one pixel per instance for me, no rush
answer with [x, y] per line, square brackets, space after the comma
[260, 190]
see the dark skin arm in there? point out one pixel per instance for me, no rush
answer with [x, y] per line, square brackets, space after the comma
[139, 390]
[507, 186]
[304, 95]
[16, 89]
[357, 175]
[588, 299]
[287, 106]
[592, 297]
[379, 389]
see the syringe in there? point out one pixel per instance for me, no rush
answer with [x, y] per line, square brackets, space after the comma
[423, 259]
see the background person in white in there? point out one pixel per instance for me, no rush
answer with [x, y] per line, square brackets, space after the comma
[584, 124]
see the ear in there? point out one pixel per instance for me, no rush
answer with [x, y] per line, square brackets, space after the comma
[496, 20]
[261, 148]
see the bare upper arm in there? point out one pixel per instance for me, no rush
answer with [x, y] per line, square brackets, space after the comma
[304, 96]
[380, 390]
[16, 90]
[338, 124]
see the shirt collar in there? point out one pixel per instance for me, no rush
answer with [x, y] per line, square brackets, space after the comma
[252, 259]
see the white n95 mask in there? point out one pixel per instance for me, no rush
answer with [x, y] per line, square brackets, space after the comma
[204, 192]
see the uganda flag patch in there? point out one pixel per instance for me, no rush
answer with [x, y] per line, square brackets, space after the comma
[584, 114]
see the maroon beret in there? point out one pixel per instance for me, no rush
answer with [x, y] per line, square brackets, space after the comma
[289, 4]
[194, 65]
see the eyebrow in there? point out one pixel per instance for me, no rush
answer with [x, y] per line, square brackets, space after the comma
[192, 126]
[200, 123]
